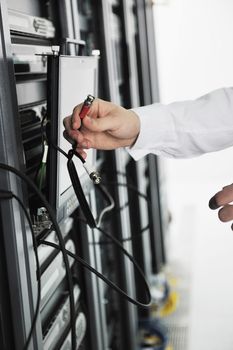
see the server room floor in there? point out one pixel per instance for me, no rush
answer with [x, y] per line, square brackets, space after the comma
[200, 255]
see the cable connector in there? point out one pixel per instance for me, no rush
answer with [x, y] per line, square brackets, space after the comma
[93, 174]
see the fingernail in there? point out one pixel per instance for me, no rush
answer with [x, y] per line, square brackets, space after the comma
[213, 204]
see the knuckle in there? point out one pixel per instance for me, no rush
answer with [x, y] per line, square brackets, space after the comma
[65, 121]
[228, 187]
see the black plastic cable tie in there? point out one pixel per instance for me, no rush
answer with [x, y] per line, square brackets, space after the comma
[70, 154]
[6, 194]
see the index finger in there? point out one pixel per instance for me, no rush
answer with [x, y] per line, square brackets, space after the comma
[75, 118]
[67, 123]
[93, 111]
[223, 197]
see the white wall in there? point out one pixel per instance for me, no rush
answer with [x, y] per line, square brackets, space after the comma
[194, 40]
[195, 47]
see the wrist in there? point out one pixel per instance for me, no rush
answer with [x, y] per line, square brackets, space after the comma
[135, 127]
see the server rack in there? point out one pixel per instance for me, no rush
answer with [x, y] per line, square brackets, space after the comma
[130, 25]
[16, 238]
[32, 35]
[116, 52]
[118, 41]
[149, 246]
[112, 49]
[89, 28]
[149, 93]
[92, 297]
[119, 33]
[134, 86]
[103, 329]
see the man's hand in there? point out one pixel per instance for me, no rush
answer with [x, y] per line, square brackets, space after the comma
[222, 199]
[106, 127]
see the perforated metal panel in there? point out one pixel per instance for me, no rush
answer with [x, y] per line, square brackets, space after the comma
[178, 337]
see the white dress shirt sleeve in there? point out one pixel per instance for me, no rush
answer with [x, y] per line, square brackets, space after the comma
[186, 129]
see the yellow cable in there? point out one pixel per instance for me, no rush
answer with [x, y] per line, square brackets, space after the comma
[171, 304]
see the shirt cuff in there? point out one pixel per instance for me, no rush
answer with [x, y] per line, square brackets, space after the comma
[157, 131]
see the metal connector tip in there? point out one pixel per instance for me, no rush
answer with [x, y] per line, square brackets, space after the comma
[95, 177]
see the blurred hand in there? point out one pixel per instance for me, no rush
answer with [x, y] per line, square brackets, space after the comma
[106, 127]
[221, 200]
